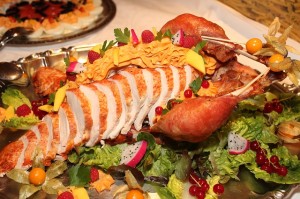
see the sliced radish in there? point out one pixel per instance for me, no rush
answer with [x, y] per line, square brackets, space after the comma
[76, 67]
[237, 144]
[133, 153]
[178, 38]
[135, 39]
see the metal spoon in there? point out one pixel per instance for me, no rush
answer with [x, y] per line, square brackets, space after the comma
[9, 71]
[14, 33]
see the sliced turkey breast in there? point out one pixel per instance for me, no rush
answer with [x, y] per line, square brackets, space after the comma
[111, 113]
[148, 77]
[64, 129]
[135, 103]
[95, 113]
[163, 96]
[21, 158]
[103, 119]
[188, 79]
[123, 118]
[10, 156]
[176, 82]
[30, 149]
[45, 142]
[51, 121]
[81, 109]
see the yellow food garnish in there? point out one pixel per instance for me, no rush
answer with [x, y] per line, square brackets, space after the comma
[104, 183]
[195, 60]
[9, 113]
[79, 193]
[2, 114]
[47, 107]
[59, 97]
[147, 55]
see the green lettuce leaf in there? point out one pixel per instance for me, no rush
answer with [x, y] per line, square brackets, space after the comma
[226, 166]
[14, 97]
[21, 122]
[103, 157]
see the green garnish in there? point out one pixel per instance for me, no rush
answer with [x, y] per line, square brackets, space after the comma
[79, 175]
[199, 46]
[107, 46]
[196, 85]
[67, 62]
[123, 37]
[159, 36]
[168, 34]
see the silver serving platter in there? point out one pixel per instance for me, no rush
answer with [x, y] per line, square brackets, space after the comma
[55, 58]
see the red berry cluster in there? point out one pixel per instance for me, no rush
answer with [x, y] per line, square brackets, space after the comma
[23, 110]
[35, 107]
[270, 165]
[274, 105]
[200, 186]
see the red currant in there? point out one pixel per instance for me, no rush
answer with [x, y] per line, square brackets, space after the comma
[254, 145]
[201, 182]
[261, 151]
[188, 93]
[282, 171]
[200, 195]
[193, 178]
[278, 108]
[204, 187]
[267, 168]
[194, 189]
[274, 159]
[268, 108]
[260, 159]
[158, 110]
[205, 84]
[218, 189]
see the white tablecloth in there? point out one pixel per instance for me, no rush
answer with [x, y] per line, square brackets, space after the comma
[145, 14]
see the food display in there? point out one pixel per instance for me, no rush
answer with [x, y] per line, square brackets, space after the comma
[55, 20]
[165, 113]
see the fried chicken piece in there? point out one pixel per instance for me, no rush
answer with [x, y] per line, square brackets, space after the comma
[47, 80]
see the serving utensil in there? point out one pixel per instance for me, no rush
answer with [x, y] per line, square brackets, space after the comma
[17, 32]
[12, 74]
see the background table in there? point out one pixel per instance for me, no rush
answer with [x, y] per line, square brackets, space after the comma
[145, 14]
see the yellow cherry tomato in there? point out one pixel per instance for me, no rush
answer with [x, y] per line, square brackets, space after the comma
[276, 58]
[37, 176]
[134, 194]
[253, 45]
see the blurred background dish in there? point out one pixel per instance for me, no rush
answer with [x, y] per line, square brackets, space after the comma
[66, 25]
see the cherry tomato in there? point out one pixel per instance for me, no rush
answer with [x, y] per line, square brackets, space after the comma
[37, 176]
[276, 58]
[134, 194]
[253, 45]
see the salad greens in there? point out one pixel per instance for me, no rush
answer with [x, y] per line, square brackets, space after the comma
[13, 98]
